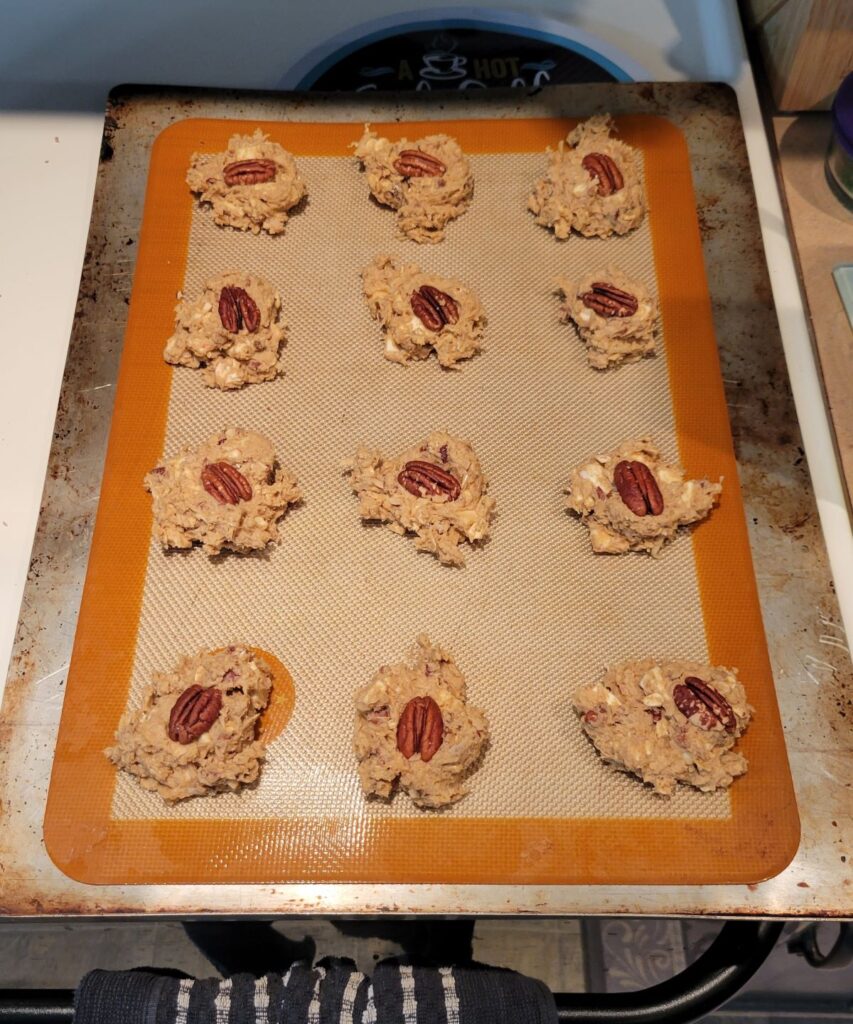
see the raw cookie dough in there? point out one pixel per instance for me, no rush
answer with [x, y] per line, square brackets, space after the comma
[251, 206]
[604, 318]
[635, 719]
[245, 354]
[570, 197]
[425, 202]
[186, 512]
[392, 294]
[224, 757]
[440, 521]
[613, 527]
[463, 731]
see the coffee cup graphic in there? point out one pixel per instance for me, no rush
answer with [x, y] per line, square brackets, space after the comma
[443, 65]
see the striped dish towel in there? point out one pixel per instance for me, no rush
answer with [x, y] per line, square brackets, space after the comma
[333, 992]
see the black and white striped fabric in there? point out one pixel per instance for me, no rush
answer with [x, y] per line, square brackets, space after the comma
[333, 992]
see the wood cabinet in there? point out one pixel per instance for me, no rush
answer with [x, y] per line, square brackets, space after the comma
[807, 46]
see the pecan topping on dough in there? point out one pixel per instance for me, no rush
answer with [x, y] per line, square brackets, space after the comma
[237, 309]
[607, 300]
[603, 167]
[638, 488]
[226, 483]
[194, 712]
[420, 729]
[696, 698]
[414, 163]
[434, 308]
[249, 172]
[425, 478]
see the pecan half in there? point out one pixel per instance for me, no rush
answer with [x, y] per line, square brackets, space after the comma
[237, 309]
[194, 712]
[414, 163]
[603, 167]
[425, 478]
[226, 483]
[434, 308]
[420, 729]
[608, 300]
[249, 172]
[638, 488]
[694, 697]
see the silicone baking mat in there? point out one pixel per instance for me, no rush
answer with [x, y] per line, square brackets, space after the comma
[534, 613]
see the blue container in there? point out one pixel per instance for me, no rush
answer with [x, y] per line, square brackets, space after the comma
[839, 159]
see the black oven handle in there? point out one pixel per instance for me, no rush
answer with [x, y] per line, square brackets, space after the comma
[720, 973]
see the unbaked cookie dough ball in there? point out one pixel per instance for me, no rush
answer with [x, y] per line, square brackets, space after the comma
[252, 186]
[614, 314]
[668, 722]
[231, 330]
[435, 490]
[632, 500]
[195, 731]
[228, 492]
[413, 728]
[422, 313]
[428, 182]
[592, 185]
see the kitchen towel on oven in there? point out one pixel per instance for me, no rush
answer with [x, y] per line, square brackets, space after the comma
[332, 992]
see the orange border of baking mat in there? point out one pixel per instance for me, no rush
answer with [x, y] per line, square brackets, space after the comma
[758, 840]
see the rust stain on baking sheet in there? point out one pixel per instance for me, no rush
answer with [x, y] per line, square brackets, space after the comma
[709, 221]
[784, 503]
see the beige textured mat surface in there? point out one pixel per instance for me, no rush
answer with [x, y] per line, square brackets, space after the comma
[533, 614]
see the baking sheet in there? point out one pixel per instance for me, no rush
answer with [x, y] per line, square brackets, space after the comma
[532, 616]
